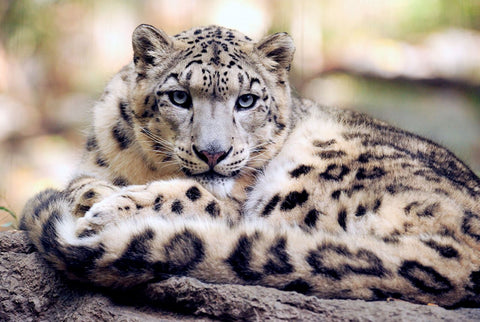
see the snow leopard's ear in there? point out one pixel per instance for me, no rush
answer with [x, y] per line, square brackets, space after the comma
[150, 45]
[279, 48]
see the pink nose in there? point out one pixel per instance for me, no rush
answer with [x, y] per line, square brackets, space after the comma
[211, 158]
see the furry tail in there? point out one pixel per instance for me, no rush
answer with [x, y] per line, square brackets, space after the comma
[139, 250]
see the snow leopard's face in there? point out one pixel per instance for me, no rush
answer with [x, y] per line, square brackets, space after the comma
[211, 100]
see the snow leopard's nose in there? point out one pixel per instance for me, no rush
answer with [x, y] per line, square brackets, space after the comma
[211, 156]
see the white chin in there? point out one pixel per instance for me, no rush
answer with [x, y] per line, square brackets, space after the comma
[220, 187]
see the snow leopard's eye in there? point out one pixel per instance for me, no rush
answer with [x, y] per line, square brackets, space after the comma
[246, 101]
[180, 98]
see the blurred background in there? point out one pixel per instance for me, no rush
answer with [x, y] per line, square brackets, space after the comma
[414, 63]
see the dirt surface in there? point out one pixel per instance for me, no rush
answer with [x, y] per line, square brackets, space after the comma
[31, 291]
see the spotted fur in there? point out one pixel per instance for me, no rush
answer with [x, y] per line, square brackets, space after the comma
[201, 163]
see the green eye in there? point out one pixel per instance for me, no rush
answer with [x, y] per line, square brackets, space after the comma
[246, 101]
[180, 98]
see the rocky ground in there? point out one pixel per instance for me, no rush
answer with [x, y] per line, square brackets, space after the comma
[32, 291]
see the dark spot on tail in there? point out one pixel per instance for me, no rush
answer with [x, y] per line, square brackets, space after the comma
[182, 253]
[299, 286]
[81, 260]
[362, 262]
[49, 237]
[316, 260]
[45, 199]
[239, 259]
[278, 262]
[424, 278]
[134, 259]
[475, 282]
[370, 264]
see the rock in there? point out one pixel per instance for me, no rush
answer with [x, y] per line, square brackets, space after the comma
[31, 290]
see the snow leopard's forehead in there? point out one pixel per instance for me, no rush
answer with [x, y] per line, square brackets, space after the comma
[215, 46]
[211, 34]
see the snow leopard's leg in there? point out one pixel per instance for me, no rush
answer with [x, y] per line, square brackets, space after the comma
[184, 198]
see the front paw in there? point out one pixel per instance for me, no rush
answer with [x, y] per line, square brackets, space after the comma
[85, 191]
[108, 211]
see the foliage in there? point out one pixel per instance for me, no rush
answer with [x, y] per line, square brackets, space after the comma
[11, 213]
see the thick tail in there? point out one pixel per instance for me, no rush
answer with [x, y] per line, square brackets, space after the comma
[144, 249]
